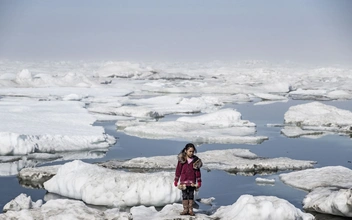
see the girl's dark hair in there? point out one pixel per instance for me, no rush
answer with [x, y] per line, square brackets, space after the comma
[188, 146]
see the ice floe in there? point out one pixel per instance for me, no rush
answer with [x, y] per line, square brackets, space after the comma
[309, 179]
[264, 181]
[231, 160]
[37, 175]
[293, 132]
[330, 189]
[329, 200]
[11, 165]
[316, 118]
[100, 186]
[318, 114]
[157, 107]
[28, 127]
[240, 161]
[223, 126]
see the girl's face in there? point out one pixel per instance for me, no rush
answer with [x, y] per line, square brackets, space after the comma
[190, 152]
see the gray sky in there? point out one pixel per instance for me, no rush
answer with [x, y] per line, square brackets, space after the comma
[183, 30]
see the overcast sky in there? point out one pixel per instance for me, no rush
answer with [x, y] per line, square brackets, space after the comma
[182, 30]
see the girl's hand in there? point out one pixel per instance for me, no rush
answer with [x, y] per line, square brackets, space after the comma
[175, 183]
[199, 184]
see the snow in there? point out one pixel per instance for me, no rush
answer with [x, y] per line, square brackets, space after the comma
[51, 133]
[100, 186]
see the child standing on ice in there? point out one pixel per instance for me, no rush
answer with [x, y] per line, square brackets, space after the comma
[188, 172]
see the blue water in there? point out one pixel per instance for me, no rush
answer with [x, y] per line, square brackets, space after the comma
[225, 187]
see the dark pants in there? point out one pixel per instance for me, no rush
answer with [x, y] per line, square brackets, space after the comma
[188, 193]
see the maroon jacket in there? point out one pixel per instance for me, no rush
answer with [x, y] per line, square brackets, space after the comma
[188, 173]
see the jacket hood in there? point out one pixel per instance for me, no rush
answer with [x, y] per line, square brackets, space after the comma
[197, 162]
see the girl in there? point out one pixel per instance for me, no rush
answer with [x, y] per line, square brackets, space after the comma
[188, 172]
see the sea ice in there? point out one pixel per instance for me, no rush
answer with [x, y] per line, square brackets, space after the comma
[100, 186]
[309, 179]
[246, 207]
[318, 117]
[223, 126]
[330, 189]
[329, 200]
[64, 209]
[264, 181]
[232, 160]
[261, 207]
[22, 202]
[28, 127]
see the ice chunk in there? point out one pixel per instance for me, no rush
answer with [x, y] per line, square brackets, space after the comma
[309, 179]
[22, 202]
[100, 186]
[329, 200]
[316, 114]
[264, 181]
[66, 209]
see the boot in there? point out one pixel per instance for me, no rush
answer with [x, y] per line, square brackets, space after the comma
[185, 207]
[190, 207]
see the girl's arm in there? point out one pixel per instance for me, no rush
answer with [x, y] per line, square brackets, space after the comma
[198, 176]
[178, 171]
